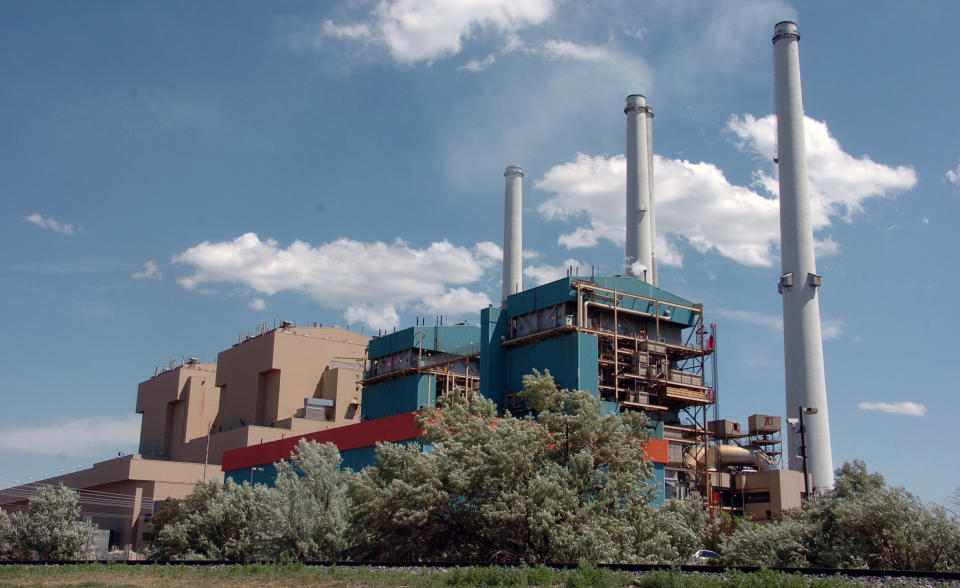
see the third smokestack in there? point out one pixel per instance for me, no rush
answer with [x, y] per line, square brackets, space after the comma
[512, 232]
[639, 252]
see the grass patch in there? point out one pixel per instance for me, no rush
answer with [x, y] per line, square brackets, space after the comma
[296, 574]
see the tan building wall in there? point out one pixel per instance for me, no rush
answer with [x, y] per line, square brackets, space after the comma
[254, 394]
[178, 406]
[118, 494]
[784, 488]
[264, 381]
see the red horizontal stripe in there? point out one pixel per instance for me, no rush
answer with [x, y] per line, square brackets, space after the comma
[400, 427]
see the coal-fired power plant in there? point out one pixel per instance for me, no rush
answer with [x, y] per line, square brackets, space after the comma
[806, 389]
[639, 253]
[512, 231]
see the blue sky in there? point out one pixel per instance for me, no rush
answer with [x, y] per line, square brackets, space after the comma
[172, 174]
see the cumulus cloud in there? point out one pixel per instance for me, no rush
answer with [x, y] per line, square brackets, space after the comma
[257, 304]
[699, 206]
[375, 316]
[488, 251]
[694, 202]
[478, 65]
[953, 175]
[569, 50]
[424, 30]
[150, 271]
[839, 182]
[543, 274]
[907, 408]
[357, 31]
[81, 436]
[50, 224]
[454, 301]
[372, 281]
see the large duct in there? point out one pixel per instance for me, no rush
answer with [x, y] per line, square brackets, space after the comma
[806, 386]
[512, 232]
[653, 206]
[639, 242]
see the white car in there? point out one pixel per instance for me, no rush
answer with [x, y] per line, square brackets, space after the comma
[705, 556]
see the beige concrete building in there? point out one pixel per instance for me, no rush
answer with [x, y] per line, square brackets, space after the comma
[119, 494]
[283, 382]
[178, 406]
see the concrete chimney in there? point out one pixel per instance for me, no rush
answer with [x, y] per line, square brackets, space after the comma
[653, 207]
[806, 386]
[512, 232]
[638, 253]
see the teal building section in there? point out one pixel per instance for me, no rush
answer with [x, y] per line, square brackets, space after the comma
[658, 481]
[395, 382]
[572, 359]
[444, 338]
[562, 290]
[396, 396]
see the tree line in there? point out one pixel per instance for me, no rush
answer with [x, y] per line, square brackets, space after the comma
[567, 483]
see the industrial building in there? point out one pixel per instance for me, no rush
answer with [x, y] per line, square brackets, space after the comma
[622, 338]
[273, 384]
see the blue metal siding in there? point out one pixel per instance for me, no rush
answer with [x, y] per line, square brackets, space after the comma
[448, 338]
[658, 480]
[494, 329]
[403, 394]
[562, 291]
[264, 474]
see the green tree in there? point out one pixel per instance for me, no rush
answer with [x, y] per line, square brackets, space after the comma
[7, 536]
[306, 518]
[769, 544]
[862, 523]
[221, 521]
[51, 528]
[566, 485]
[865, 523]
[169, 511]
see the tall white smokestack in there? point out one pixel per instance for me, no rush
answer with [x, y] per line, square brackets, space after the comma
[653, 206]
[638, 254]
[799, 284]
[512, 232]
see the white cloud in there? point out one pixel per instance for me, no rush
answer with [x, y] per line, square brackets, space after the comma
[488, 251]
[477, 65]
[257, 304]
[825, 247]
[831, 328]
[81, 436]
[357, 31]
[454, 301]
[372, 281]
[696, 203]
[925, 220]
[424, 30]
[50, 224]
[542, 274]
[150, 272]
[375, 316]
[953, 175]
[571, 50]
[907, 408]
[839, 182]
